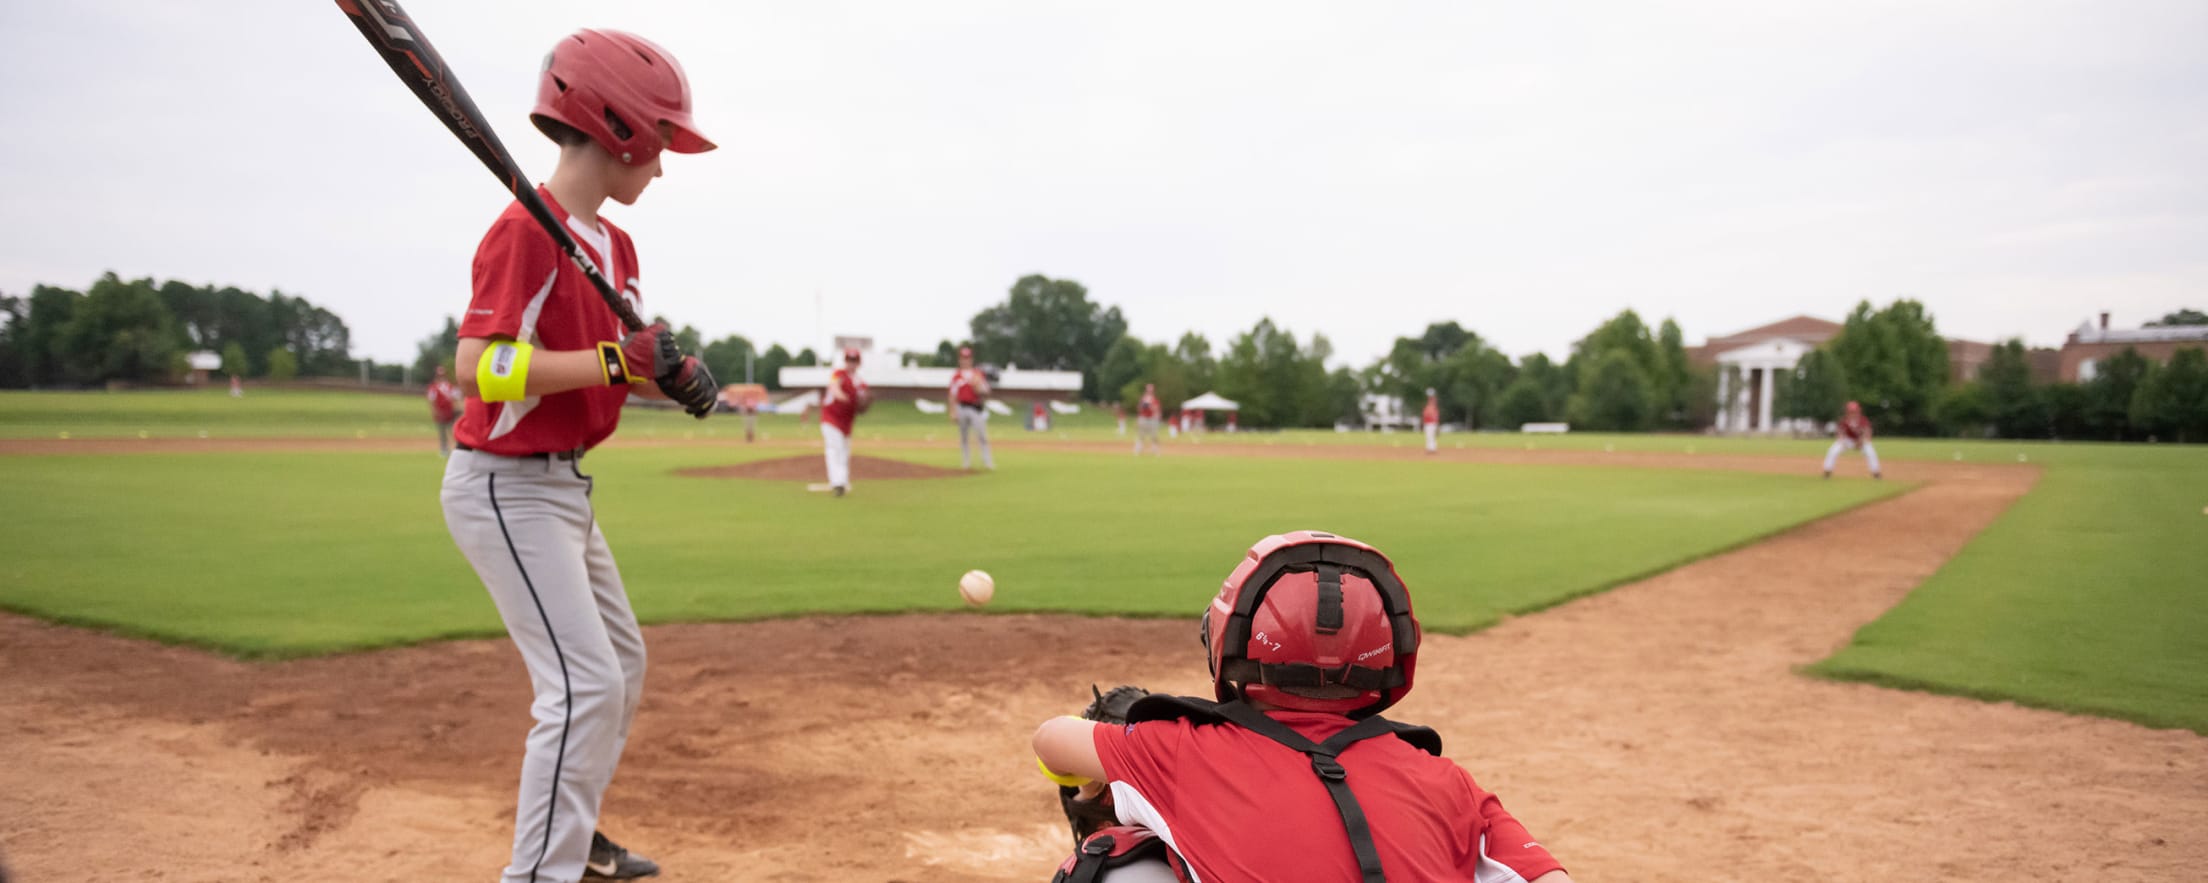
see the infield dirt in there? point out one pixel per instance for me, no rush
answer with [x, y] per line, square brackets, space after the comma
[1654, 732]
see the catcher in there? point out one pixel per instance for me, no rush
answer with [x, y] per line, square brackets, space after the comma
[1291, 774]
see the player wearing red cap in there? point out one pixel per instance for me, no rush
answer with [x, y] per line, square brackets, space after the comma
[841, 403]
[546, 367]
[1854, 431]
[1308, 640]
[969, 394]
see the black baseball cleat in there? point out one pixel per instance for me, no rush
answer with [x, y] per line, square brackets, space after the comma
[1877, 475]
[608, 861]
[1828, 473]
[839, 490]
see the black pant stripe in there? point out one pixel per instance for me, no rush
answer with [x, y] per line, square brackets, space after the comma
[567, 704]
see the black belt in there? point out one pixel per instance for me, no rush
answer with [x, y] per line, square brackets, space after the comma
[970, 406]
[574, 454]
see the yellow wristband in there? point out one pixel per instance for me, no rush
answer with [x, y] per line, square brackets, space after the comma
[615, 364]
[1064, 780]
[503, 373]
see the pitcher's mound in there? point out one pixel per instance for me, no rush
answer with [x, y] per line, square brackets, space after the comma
[813, 468]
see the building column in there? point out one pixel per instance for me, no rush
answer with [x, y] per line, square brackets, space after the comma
[1764, 419]
[1724, 398]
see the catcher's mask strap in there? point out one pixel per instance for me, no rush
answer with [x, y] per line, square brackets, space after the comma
[1330, 599]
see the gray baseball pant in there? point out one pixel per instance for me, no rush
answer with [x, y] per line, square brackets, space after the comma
[526, 526]
[973, 422]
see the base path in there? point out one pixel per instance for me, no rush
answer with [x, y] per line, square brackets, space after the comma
[1655, 732]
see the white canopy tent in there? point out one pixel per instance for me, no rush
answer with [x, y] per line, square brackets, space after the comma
[1210, 401]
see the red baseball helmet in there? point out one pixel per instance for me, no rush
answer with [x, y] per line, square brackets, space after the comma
[1314, 622]
[851, 356]
[618, 88]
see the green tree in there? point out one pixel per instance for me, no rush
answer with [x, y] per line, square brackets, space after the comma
[1344, 397]
[1276, 380]
[1963, 411]
[2181, 317]
[1817, 389]
[13, 313]
[2172, 401]
[1159, 367]
[1895, 362]
[1049, 324]
[437, 349]
[282, 365]
[1677, 378]
[806, 358]
[1616, 396]
[2109, 394]
[233, 359]
[48, 312]
[1523, 402]
[1123, 364]
[2069, 409]
[120, 331]
[769, 367]
[2017, 408]
[728, 357]
[1554, 381]
[1194, 353]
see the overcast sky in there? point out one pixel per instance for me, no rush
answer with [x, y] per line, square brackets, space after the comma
[1356, 169]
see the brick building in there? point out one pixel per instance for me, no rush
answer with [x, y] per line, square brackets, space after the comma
[2091, 343]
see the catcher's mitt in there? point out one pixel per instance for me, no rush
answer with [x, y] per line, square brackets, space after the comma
[1088, 814]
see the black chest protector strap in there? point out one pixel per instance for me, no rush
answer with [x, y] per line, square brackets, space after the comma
[1330, 772]
[1322, 754]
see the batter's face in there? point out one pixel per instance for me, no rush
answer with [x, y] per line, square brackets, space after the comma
[629, 181]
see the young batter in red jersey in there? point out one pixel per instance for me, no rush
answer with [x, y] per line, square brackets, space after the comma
[841, 403]
[1308, 640]
[546, 367]
[1854, 432]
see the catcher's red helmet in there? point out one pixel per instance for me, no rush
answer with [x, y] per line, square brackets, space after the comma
[1314, 622]
[617, 88]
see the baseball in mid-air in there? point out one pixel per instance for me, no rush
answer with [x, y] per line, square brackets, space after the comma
[976, 587]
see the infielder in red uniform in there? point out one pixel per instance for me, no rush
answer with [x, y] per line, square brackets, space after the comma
[1854, 432]
[546, 368]
[444, 401]
[840, 404]
[969, 411]
[1431, 420]
[1308, 640]
[1147, 420]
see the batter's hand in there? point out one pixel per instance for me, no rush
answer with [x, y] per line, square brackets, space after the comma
[646, 354]
[690, 385]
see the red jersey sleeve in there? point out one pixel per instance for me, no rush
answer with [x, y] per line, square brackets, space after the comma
[514, 267]
[1508, 842]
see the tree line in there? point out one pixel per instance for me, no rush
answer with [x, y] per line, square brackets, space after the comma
[139, 331]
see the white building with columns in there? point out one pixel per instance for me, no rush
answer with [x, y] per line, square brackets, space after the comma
[1749, 365]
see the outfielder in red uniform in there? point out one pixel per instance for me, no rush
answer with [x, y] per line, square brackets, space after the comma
[546, 368]
[1854, 431]
[1430, 419]
[1147, 419]
[444, 401]
[840, 404]
[1309, 639]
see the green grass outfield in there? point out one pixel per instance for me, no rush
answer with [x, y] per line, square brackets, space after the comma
[304, 413]
[291, 554]
[2089, 595]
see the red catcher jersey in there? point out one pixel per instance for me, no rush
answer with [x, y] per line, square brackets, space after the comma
[963, 388]
[527, 289]
[839, 411]
[1856, 429]
[1238, 806]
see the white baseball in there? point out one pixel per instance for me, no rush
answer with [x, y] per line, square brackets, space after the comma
[976, 587]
